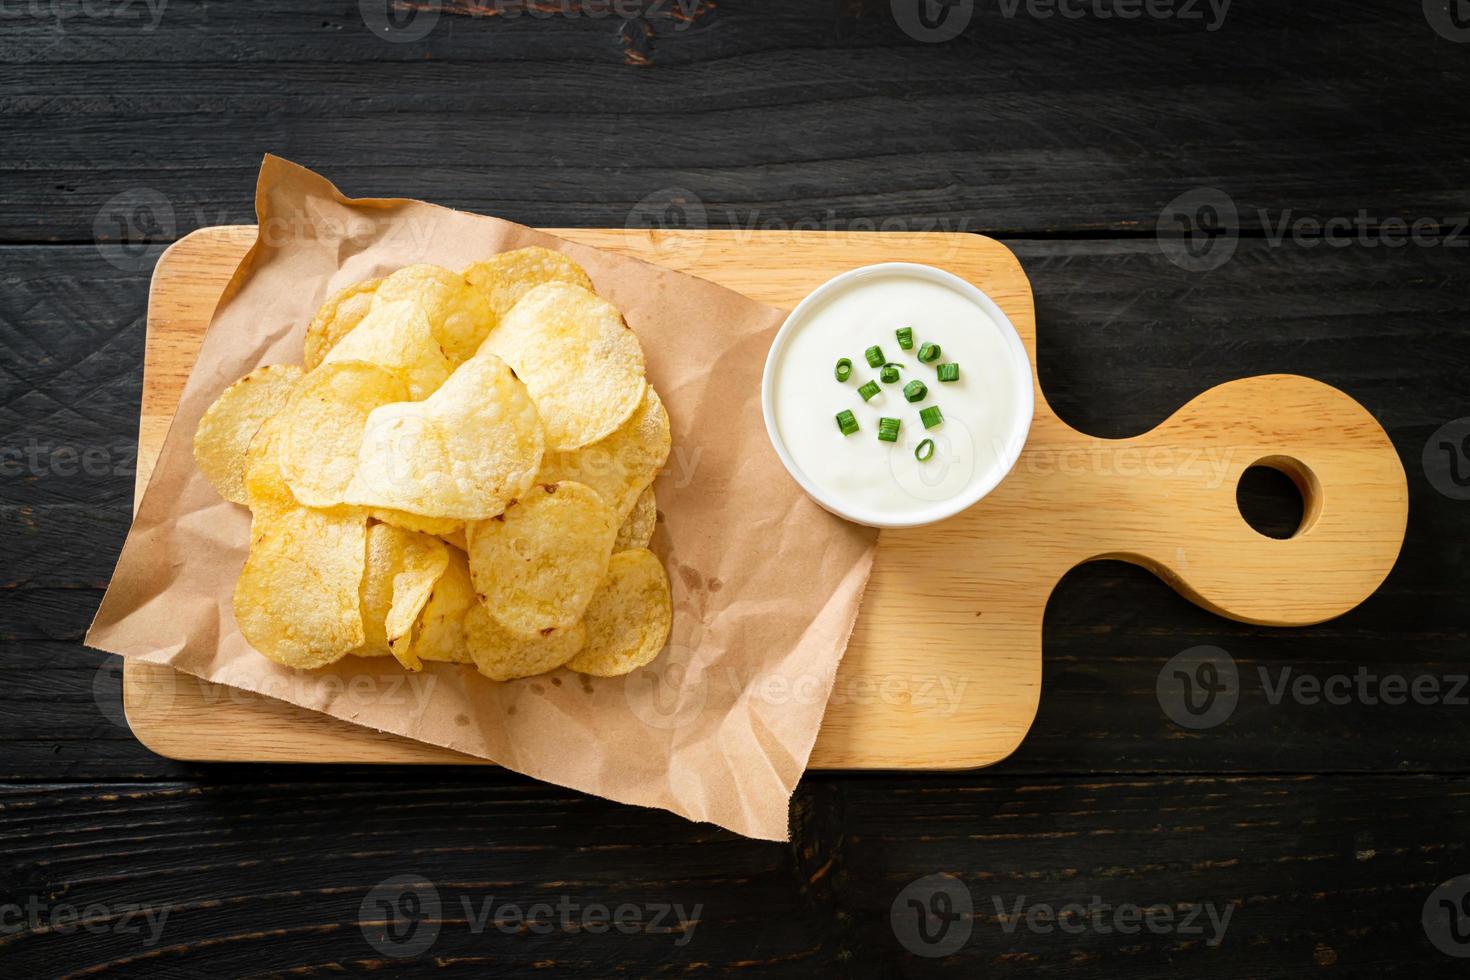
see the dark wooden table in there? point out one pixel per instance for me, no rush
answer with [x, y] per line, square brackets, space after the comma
[1321, 827]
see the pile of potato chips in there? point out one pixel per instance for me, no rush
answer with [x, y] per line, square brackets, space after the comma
[461, 471]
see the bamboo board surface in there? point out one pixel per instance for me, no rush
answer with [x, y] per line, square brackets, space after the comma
[944, 667]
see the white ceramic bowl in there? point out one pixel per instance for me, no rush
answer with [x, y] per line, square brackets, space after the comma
[1010, 443]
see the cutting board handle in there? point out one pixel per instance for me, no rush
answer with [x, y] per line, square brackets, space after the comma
[1176, 509]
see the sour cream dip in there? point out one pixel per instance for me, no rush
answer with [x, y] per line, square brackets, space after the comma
[984, 414]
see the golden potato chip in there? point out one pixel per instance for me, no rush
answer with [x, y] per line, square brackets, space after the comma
[225, 430]
[440, 635]
[504, 656]
[620, 466]
[628, 619]
[537, 565]
[457, 539]
[503, 279]
[397, 337]
[637, 529]
[581, 362]
[402, 568]
[463, 453]
[323, 427]
[437, 526]
[297, 599]
[335, 320]
[459, 316]
[265, 484]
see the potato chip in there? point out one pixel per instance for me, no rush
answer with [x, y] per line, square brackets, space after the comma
[505, 278]
[620, 466]
[402, 569]
[628, 619]
[225, 430]
[335, 320]
[297, 599]
[440, 635]
[637, 529]
[537, 565]
[459, 316]
[504, 656]
[581, 362]
[397, 337]
[265, 484]
[463, 453]
[323, 427]
[404, 498]
[437, 526]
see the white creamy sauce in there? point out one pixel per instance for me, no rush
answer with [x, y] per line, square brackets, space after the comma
[883, 478]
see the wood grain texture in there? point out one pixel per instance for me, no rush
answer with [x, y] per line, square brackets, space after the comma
[817, 112]
[1067, 137]
[968, 596]
[247, 881]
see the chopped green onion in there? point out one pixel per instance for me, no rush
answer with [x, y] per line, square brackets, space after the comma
[889, 374]
[868, 390]
[888, 430]
[948, 372]
[924, 451]
[929, 352]
[844, 369]
[874, 355]
[931, 416]
[905, 337]
[915, 390]
[846, 422]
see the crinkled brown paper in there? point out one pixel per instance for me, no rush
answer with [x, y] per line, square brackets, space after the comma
[766, 584]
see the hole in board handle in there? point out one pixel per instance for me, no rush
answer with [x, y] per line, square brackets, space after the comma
[1279, 497]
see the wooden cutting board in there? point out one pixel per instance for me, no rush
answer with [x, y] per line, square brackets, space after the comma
[944, 667]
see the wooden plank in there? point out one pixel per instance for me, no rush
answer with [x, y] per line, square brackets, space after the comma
[270, 878]
[1165, 500]
[811, 112]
